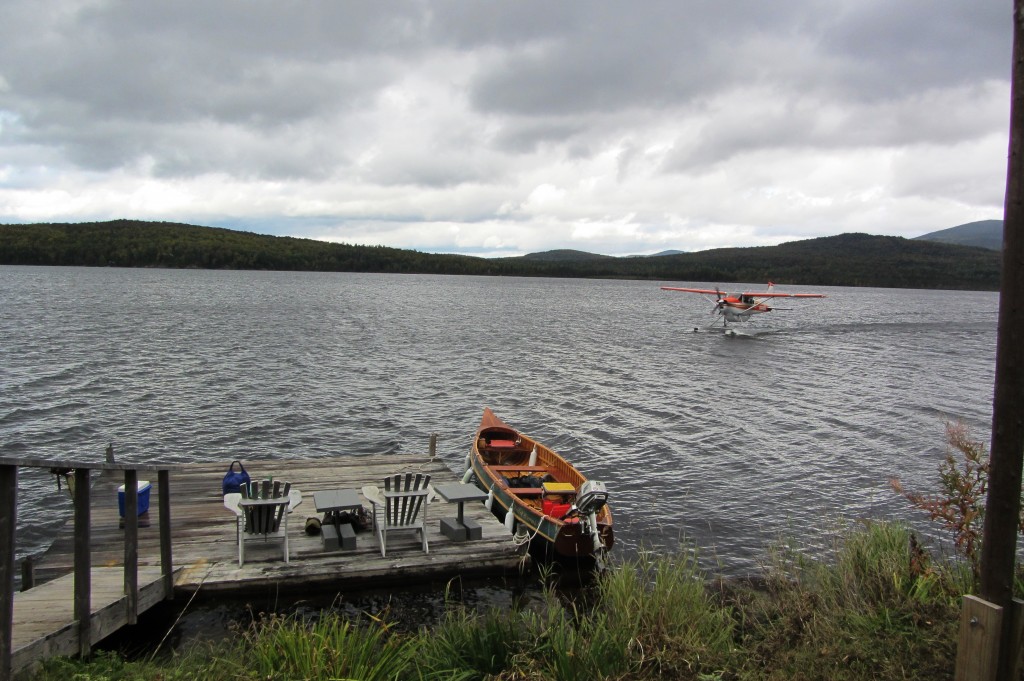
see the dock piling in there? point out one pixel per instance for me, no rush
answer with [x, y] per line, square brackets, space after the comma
[83, 575]
[131, 545]
[8, 524]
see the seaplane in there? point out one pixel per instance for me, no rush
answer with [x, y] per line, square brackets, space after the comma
[740, 307]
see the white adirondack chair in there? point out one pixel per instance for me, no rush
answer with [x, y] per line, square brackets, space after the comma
[400, 506]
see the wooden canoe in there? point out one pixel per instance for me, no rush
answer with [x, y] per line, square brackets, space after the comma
[513, 468]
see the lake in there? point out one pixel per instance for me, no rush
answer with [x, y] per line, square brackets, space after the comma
[724, 443]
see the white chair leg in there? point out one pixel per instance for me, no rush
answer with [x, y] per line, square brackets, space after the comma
[286, 537]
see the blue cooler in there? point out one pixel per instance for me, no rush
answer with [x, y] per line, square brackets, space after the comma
[142, 500]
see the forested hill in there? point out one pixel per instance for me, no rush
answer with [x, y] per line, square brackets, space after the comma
[844, 260]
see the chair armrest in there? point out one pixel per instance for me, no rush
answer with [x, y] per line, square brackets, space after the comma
[373, 495]
[231, 502]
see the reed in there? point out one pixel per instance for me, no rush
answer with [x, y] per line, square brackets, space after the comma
[870, 611]
[327, 647]
[659, 608]
[876, 607]
[466, 645]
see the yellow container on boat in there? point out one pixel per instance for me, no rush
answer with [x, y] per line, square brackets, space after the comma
[559, 488]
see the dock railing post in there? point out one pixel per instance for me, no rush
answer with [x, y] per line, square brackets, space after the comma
[83, 576]
[8, 523]
[131, 545]
[166, 564]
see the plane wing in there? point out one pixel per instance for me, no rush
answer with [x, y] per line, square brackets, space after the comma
[705, 291]
[762, 294]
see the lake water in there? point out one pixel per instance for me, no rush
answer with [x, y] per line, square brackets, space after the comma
[726, 443]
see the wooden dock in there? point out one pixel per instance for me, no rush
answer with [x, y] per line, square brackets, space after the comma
[205, 550]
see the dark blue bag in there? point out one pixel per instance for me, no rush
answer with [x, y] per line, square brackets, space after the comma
[233, 480]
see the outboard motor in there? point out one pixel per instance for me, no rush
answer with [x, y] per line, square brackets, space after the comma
[591, 498]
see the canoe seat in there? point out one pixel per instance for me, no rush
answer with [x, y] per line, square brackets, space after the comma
[525, 491]
[525, 469]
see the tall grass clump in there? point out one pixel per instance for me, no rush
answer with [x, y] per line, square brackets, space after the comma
[327, 648]
[661, 609]
[865, 612]
[651, 617]
[553, 640]
[466, 645]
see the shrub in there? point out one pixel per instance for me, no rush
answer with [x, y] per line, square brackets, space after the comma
[959, 506]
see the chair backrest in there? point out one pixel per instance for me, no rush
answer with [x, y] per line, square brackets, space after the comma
[265, 519]
[404, 494]
[265, 489]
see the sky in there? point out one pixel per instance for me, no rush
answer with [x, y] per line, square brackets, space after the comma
[497, 128]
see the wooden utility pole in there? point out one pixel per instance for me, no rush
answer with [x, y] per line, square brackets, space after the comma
[1002, 510]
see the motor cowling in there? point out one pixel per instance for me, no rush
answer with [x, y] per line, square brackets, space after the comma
[591, 497]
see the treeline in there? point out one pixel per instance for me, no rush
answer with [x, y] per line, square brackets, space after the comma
[844, 260]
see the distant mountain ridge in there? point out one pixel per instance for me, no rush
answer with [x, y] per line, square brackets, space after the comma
[842, 260]
[564, 255]
[983, 234]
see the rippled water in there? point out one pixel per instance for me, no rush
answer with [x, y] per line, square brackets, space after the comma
[726, 442]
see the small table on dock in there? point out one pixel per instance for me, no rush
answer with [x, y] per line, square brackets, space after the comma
[331, 503]
[460, 528]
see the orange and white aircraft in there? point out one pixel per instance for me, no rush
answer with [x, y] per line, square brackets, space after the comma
[740, 307]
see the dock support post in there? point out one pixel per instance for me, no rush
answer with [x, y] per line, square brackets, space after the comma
[28, 572]
[166, 563]
[131, 545]
[433, 446]
[8, 523]
[83, 576]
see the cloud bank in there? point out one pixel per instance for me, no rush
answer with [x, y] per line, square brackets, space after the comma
[501, 128]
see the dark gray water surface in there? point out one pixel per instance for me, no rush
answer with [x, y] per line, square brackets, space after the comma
[724, 442]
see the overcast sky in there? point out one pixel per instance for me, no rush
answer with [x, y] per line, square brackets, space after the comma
[500, 128]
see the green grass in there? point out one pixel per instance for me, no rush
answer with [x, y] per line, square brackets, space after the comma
[876, 608]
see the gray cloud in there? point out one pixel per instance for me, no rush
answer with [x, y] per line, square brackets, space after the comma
[593, 125]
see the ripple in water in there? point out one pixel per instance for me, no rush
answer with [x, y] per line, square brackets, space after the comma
[726, 442]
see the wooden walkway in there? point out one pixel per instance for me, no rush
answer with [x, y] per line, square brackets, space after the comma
[206, 551]
[44, 621]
